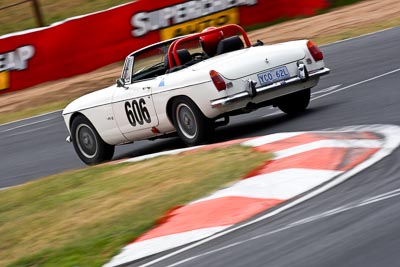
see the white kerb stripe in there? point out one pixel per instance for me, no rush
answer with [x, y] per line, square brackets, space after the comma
[283, 184]
[327, 144]
[152, 246]
[259, 141]
[392, 141]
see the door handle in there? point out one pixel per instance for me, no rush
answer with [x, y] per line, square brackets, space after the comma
[146, 88]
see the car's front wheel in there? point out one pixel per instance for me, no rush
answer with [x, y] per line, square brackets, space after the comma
[295, 103]
[88, 144]
[192, 126]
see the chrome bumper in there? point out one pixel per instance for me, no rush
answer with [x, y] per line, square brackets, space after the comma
[302, 77]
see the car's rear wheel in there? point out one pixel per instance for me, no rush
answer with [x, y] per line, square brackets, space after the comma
[88, 144]
[192, 126]
[295, 103]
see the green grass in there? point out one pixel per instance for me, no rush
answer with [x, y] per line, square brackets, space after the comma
[82, 218]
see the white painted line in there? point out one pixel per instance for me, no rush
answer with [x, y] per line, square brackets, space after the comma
[358, 83]
[357, 37]
[149, 247]
[29, 131]
[273, 114]
[327, 89]
[310, 219]
[33, 117]
[25, 125]
[332, 91]
[4, 188]
[392, 135]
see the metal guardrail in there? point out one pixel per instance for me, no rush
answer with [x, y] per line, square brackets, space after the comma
[36, 10]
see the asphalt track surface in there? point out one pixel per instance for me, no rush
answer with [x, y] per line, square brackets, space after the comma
[363, 88]
[353, 224]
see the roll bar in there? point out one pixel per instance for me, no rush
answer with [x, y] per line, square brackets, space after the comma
[173, 47]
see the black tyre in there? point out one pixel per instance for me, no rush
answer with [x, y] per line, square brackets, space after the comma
[192, 126]
[295, 103]
[88, 144]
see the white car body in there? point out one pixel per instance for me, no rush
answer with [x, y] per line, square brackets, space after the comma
[242, 70]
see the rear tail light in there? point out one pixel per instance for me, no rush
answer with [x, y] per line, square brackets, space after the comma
[315, 52]
[217, 80]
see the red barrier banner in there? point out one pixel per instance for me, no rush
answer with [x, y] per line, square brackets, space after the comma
[82, 44]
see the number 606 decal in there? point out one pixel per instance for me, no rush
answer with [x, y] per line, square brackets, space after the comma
[137, 112]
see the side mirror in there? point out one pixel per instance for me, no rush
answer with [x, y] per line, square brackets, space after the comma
[121, 83]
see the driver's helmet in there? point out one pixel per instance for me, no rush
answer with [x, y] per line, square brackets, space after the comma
[209, 42]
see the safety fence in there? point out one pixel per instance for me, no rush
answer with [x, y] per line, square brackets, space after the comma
[85, 43]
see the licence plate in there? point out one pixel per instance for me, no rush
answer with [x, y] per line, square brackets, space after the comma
[274, 75]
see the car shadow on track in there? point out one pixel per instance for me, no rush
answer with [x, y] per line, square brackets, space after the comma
[257, 127]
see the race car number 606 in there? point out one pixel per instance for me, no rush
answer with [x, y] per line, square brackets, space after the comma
[137, 112]
[180, 86]
[275, 75]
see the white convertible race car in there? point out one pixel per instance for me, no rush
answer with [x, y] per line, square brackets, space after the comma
[190, 85]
